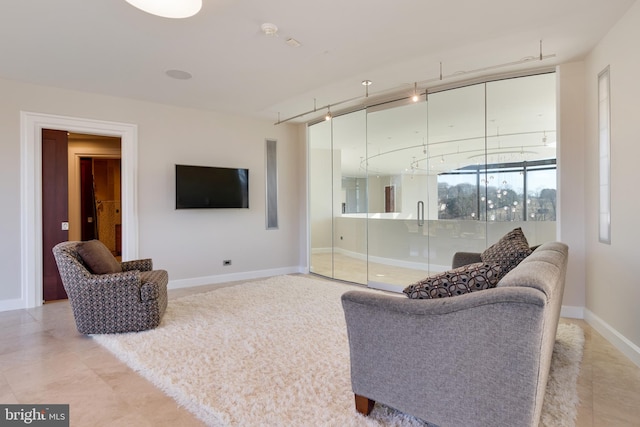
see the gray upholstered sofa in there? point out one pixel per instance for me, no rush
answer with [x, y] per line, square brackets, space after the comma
[478, 359]
[132, 299]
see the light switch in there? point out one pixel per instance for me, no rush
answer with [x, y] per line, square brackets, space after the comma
[65, 226]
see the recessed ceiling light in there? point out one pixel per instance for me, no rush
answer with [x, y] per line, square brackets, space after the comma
[178, 74]
[168, 8]
[269, 29]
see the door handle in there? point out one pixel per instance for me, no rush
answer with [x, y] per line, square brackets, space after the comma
[420, 208]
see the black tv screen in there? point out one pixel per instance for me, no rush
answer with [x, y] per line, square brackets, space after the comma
[211, 187]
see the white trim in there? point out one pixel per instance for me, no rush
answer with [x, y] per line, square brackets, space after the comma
[31, 125]
[222, 278]
[618, 340]
[11, 304]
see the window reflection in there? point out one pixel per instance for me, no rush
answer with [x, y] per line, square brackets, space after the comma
[497, 192]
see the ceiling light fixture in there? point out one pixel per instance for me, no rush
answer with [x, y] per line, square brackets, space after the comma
[168, 8]
[269, 29]
[415, 96]
[178, 74]
[328, 116]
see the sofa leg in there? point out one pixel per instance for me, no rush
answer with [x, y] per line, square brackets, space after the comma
[364, 405]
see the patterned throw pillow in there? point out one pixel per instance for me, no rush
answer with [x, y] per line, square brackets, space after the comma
[98, 258]
[461, 280]
[508, 251]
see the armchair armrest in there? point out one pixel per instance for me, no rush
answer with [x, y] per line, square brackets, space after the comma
[464, 258]
[138, 264]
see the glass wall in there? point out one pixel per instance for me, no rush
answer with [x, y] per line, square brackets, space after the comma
[396, 189]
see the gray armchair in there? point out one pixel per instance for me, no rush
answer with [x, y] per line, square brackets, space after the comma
[132, 300]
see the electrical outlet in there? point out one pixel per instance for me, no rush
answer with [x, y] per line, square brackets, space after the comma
[226, 262]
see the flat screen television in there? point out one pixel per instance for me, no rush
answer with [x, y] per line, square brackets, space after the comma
[211, 187]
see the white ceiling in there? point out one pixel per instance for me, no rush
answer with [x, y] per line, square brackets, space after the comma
[109, 47]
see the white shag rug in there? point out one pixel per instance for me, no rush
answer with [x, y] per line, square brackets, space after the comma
[275, 353]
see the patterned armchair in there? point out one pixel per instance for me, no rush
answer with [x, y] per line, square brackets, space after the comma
[130, 300]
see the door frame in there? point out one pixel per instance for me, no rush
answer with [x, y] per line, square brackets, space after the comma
[31, 125]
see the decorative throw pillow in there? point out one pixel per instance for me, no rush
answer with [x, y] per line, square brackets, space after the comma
[98, 258]
[508, 251]
[461, 280]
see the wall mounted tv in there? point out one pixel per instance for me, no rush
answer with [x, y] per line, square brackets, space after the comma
[211, 187]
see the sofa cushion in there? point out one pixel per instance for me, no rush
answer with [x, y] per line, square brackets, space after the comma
[98, 258]
[508, 251]
[458, 281]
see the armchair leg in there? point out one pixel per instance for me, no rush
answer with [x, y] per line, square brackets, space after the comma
[364, 405]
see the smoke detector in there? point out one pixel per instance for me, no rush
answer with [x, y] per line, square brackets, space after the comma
[269, 29]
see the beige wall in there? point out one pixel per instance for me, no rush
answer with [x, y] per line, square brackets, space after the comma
[190, 244]
[612, 285]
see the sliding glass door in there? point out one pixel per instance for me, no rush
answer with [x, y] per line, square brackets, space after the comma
[399, 192]
[338, 205]
[417, 142]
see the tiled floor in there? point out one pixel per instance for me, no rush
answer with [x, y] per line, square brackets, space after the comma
[43, 359]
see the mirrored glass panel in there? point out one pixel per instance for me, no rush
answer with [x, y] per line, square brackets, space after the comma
[320, 199]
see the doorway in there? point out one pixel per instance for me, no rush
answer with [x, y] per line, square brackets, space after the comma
[81, 196]
[32, 125]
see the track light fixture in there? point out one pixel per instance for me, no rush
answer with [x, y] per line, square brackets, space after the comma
[328, 116]
[415, 96]
[366, 84]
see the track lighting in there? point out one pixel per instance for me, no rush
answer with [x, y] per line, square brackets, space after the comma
[415, 96]
[366, 84]
[328, 116]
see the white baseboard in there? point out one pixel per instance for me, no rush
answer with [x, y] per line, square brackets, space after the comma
[12, 304]
[572, 312]
[232, 277]
[618, 340]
